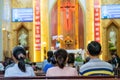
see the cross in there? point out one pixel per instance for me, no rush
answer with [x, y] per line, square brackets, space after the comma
[67, 6]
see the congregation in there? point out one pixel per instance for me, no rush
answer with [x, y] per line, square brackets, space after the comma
[60, 63]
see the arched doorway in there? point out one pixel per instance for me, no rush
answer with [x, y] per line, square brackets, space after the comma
[67, 25]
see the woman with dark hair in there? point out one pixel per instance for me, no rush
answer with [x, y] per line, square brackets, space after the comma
[71, 59]
[61, 69]
[46, 61]
[19, 68]
[49, 65]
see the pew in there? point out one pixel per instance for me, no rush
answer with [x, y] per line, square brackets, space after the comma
[1, 73]
[41, 76]
[62, 78]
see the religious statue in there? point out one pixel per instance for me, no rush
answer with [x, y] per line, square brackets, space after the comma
[23, 39]
[113, 37]
[57, 45]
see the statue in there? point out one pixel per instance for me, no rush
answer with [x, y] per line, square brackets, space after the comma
[23, 39]
[113, 37]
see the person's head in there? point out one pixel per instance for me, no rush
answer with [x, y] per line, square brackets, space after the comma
[61, 57]
[71, 58]
[8, 61]
[94, 48]
[34, 64]
[114, 55]
[49, 55]
[19, 55]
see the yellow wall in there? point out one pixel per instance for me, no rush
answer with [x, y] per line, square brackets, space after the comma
[45, 38]
[15, 26]
[29, 25]
[89, 29]
[105, 23]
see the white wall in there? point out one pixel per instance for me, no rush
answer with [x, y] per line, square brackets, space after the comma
[1, 16]
[51, 4]
[83, 3]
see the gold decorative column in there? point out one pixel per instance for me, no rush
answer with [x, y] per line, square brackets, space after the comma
[89, 21]
[44, 28]
[58, 19]
[76, 24]
[105, 55]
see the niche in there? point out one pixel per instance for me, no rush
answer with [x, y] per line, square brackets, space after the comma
[110, 36]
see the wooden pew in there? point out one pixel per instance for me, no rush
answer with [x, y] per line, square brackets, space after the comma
[1, 73]
[63, 78]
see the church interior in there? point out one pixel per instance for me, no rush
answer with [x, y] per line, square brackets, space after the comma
[42, 25]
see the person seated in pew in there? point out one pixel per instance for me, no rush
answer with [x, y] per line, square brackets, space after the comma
[19, 68]
[71, 60]
[52, 63]
[47, 61]
[95, 66]
[7, 62]
[61, 69]
[34, 66]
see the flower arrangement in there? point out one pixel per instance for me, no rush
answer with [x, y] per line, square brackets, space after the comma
[68, 41]
[112, 47]
[78, 58]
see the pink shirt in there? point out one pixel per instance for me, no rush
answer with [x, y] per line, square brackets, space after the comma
[66, 71]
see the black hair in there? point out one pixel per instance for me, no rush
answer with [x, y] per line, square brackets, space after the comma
[21, 63]
[115, 55]
[94, 48]
[71, 58]
[8, 61]
[33, 63]
[53, 61]
[61, 56]
[49, 55]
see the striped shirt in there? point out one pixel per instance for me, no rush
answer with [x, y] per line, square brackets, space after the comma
[96, 67]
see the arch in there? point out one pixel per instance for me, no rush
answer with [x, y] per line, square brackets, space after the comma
[21, 25]
[54, 26]
[112, 21]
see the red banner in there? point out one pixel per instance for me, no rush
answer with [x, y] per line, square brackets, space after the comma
[37, 25]
[96, 20]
